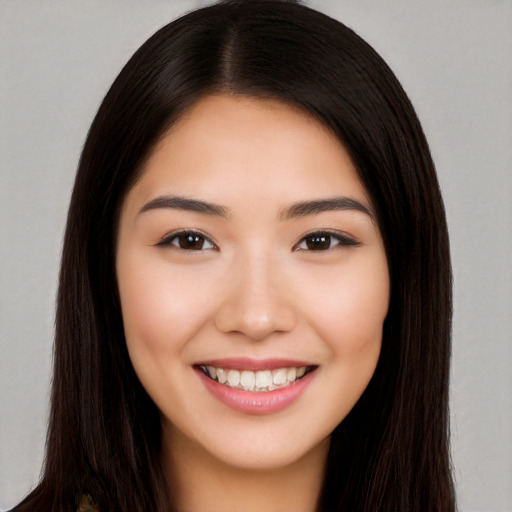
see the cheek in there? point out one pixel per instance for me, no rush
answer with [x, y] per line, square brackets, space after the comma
[352, 307]
[350, 319]
[161, 308]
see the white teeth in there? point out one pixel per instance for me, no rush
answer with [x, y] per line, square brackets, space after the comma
[221, 375]
[233, 378]
[261, 380]
[279, 376]
[247, 379]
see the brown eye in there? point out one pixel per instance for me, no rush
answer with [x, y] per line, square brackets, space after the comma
[188, 241]
[191, 241]
[323, 241]
[318, 242]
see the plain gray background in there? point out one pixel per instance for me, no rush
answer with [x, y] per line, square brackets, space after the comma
[454, 58]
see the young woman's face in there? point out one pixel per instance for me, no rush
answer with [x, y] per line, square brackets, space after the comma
[248, 257]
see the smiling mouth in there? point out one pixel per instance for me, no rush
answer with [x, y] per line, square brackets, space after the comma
[257, 381]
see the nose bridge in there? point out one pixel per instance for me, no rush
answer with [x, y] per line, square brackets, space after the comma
[257, 302]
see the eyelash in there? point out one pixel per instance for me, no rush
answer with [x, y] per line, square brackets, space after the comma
[322, 237]
[325, 237]
[183, 235]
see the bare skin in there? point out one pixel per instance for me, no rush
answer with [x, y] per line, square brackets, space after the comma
[295, 487]
[249, 246]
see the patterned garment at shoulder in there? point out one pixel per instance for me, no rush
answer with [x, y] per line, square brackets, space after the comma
[87, 504]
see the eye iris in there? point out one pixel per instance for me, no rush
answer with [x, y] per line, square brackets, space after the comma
[191, 241]
[318, 242]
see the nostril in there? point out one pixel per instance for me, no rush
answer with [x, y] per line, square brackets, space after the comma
[255, 321]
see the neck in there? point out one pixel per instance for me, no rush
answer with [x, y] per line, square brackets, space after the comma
[200, 482]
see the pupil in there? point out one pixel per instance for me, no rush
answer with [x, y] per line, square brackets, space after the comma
[318, 242]
[191, 241]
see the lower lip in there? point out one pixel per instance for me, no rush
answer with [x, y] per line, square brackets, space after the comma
[257, 402]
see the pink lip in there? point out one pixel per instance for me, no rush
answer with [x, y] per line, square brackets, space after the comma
[247, 363]
[256, 402]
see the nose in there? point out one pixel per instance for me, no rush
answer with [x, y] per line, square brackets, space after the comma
[256, 302]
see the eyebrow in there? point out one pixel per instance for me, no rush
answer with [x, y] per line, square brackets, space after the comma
[301, 209]
[324, 205]
[185, 203]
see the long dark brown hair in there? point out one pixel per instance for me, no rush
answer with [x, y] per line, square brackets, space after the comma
[391, 452]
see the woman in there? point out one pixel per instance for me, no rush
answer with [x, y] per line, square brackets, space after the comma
[254, 303]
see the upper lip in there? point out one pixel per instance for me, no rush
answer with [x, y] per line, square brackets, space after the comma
[247, 363]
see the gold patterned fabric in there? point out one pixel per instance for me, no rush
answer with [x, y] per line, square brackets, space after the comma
[87, 504]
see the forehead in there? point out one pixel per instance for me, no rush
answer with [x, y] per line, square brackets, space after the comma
[227, 146]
